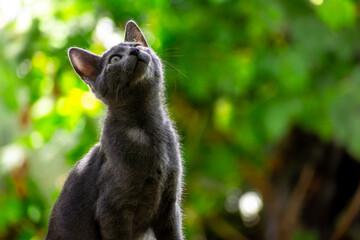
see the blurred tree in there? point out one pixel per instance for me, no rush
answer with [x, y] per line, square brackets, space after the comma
[240, 75]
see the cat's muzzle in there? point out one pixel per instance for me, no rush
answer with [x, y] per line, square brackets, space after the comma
[142, 61]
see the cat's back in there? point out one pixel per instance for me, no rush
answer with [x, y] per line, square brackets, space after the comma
[74, 210]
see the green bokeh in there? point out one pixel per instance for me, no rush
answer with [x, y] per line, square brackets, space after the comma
[240, 74]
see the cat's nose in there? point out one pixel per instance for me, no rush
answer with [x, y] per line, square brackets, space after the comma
[134, 51]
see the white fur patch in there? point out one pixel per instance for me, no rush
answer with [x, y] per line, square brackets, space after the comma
[137, 135]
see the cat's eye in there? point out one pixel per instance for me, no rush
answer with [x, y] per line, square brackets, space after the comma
[115, 59]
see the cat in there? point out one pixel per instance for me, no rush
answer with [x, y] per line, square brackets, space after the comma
[131, 181]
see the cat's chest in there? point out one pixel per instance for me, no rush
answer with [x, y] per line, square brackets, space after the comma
[137, 137]
[135, 145]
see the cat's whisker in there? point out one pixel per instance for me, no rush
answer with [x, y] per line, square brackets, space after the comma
[170, 55]
[168, 49]
[170, 52]
[173, 66]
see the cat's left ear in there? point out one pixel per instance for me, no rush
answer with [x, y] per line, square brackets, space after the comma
[134, 34]
[85, 64]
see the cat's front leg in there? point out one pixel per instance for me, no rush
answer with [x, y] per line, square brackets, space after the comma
[115, 222]
[116, 214]
[168, 225]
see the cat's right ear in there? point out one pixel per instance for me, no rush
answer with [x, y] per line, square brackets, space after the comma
[134, 34]
[85, 64]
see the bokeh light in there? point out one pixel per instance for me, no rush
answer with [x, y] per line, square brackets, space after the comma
[250, 204]
[107, 33]
[317, 2]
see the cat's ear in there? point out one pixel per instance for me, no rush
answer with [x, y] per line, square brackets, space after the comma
[134, 34]
[85, 64]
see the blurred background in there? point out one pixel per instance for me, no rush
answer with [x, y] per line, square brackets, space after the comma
[265, 95]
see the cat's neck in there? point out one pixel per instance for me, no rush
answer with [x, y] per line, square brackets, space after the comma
[142, 110]
[138, 122]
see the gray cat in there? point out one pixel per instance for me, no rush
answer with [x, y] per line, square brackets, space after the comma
[130, 182]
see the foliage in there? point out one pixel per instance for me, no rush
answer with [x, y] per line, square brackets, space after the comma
[239, 75]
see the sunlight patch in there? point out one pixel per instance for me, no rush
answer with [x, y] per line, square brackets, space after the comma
[317, 2]
[42, 107]
[107, 33]
[88, 101]
[11, 156]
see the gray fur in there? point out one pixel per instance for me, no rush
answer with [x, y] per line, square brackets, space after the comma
[129, 183]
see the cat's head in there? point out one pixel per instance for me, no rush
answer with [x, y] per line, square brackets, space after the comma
[127, 70]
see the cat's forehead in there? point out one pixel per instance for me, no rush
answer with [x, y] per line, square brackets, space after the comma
[121, 47]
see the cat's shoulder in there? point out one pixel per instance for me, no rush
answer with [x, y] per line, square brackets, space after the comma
[93, 159]
[87, 168]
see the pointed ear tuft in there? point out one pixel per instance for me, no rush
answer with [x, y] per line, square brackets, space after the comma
[134, 34]
[84, 63]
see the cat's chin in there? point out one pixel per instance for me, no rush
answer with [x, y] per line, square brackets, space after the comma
[140, 71]
[140, 66]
